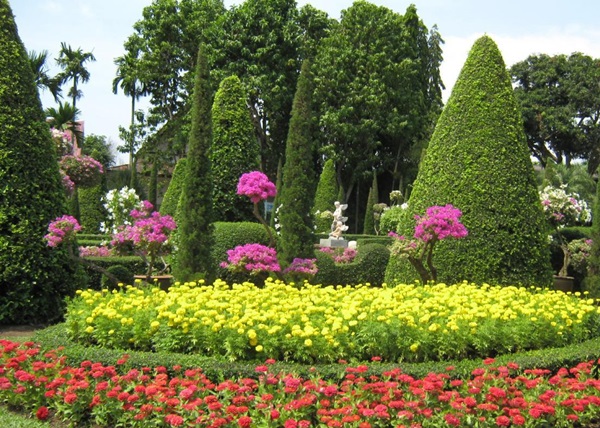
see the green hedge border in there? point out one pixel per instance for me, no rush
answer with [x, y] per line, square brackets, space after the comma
[217, 369]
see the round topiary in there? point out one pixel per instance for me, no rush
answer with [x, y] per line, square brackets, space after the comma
[478, 161]
[121, 272]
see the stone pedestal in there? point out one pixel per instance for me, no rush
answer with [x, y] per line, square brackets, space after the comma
[333, 243]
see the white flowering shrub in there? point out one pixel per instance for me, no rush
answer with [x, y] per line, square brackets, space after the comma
[118, 204]
[564, 209]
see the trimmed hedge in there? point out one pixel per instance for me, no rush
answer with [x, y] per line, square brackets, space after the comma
[132, 263]
[218, 370]
[478, 161]
[368, 267]
[229, 235]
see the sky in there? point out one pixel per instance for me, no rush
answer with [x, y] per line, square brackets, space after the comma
[519, 28]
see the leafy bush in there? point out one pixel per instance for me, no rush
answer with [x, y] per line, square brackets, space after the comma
[230, 235]
[131, 263]
[478, 161]
[34, 279]
[325, 195]
[121, 272]
[91, 210]
[171, 197]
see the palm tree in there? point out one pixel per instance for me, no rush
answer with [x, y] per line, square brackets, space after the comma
[73, 64]
[64, 117]
[39, 65]
[128, 79]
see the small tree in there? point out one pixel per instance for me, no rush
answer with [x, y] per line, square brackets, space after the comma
[325, 196]
[369, 223]
[196, 233]
[173, 193]
[297, 193]
[33, 279]
[234, 150]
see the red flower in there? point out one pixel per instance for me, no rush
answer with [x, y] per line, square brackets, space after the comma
[70, 398]
[245, 422]
[42, 413]
[274, 414]
[452, 419]
[503, 421]
[174, 420]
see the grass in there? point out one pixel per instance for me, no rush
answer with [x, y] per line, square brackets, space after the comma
[9, 419]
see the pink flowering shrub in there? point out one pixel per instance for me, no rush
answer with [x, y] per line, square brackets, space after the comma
[301, 269]
[148, 236]
[84, 171]
[94, 251]
[438, 223]
[256, 186]
[255, 258]
[339, 255]
[62, 229]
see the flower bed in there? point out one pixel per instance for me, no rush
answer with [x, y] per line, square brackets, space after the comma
[325, 324]
[113, 395]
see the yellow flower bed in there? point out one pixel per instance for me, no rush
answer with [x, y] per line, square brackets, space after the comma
[325, 324]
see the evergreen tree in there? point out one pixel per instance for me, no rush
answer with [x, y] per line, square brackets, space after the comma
[325, 196]
[592, 282]
[195, 228]
[34, 278]
[297, 193]
[369, 223]
[173, 193]
[478, 161]
[234, 151]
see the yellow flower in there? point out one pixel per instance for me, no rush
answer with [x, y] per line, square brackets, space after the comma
[414, 347]
[308, 343]
[89, 329]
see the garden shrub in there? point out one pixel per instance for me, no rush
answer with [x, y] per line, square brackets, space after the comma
[372, 199]
[368, 267]
[124, 275]
[91, 209]
[478, 161]
[34, 278]
[391, 219]
[96, 279]
[297, 193]
[230, 235]
[173, 193]
[325, 196]
[234, 151]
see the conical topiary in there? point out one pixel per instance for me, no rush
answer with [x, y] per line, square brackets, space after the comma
[478, 161]
[325, 197]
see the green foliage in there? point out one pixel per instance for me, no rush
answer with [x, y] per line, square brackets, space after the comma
[378, 91]
[367, 268]
[96, 281]
[34, 278]
[391, 220]
[478, 161]
[297, 193]
[229, 236]
[592, 282]
[195, 227]
[234, 151]
[369, 223]
[173, 193]
[325, 196]
[91, 208]
[124, 275]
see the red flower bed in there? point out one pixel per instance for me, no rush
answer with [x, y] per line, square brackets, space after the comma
[113, 395]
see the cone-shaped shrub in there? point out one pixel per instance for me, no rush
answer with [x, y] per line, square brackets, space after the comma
[34, 278]
[325, 196]
[369, 223]
[234, 151]
[297, 192]
[173, 193]
[195, 207]
[478, 161]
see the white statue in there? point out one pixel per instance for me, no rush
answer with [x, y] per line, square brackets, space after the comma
[338, 226]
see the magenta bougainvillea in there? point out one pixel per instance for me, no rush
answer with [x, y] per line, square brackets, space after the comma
[438, 223]
[256, 186]
[81, 170]
[62, 229]
[255, 258]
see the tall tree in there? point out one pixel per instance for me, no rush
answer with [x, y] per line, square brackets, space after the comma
[377, 92]
[234, 150]
[297, 192]
[64, 117]
[478, 161]
[39, 65]
[73, 64]
[34, 278]
[128, 79]
[561, 112]
[195, 206]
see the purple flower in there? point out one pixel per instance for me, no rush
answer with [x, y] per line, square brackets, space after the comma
[62, 229]
[252, 257]
[303, 266]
